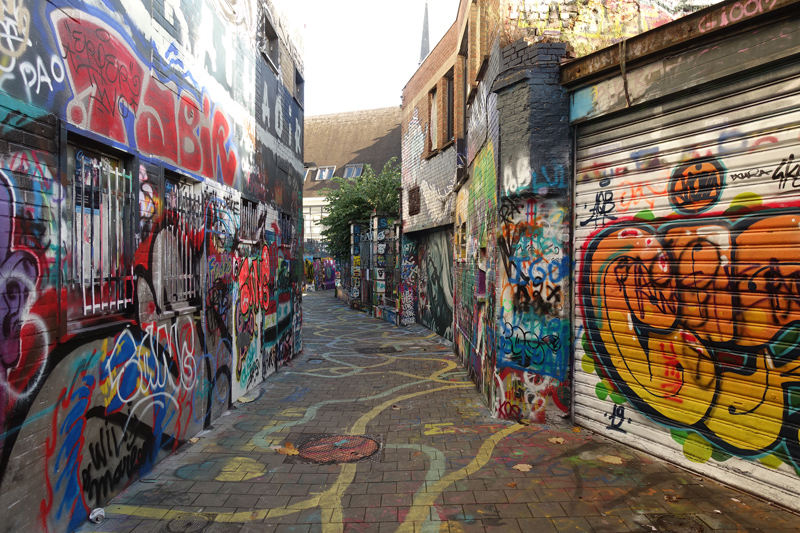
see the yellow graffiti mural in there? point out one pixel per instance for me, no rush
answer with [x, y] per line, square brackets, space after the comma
[697, 323]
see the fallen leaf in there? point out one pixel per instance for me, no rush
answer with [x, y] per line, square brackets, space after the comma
[556, 440]
[513, 485]
[576, 429]
[289, 449]
[611, 459]
[396, 407]
[522, 467]
[671, 498]
[195, 439]
[717, 511]
[245, 400]
[416, 454]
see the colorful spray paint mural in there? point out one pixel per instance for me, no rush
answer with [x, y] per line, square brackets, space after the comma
[533, 336]
[476, 271]
[426, 289]
[435, 286]
[149, 255]
[320, 273]
[324, 274]
[688, 294]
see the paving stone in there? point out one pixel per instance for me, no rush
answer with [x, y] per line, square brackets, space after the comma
[426, 473]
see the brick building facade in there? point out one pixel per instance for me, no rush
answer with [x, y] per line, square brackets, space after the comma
[487, 167]
[150, 191]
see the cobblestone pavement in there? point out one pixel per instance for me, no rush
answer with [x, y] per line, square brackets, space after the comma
[442, 463]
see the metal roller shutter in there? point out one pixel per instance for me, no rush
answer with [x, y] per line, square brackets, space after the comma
[687, 239]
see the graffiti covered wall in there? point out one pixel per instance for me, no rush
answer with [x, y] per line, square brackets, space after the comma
[427, 282]
[475, 272]
[534, 272]
[592, 24]
[324, 274]
[476, 240]
[150, 190]
[689, 246]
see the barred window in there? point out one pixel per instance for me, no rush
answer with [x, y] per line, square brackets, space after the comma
[248, 222]
[101, 218]
[183, 223]
[286, 229]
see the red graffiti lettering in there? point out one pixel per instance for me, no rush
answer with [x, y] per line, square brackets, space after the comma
[115, 97]
[154, 134]
[191, 156]
[105, 75]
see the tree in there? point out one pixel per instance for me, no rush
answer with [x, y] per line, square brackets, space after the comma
[356, 199]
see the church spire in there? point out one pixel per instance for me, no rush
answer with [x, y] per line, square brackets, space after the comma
[425, 46]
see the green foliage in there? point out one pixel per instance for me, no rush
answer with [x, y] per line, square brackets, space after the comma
[356, 200]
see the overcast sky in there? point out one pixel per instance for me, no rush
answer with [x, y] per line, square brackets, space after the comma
[359, 54]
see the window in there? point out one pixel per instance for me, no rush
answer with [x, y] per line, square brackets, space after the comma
[309, 172]
[271, 46]
[299, 87]
[312, 218]
[413, 200]
[183, 219]
[325, 173]
[450, 107]
[248, 222]
[101, 219]
[433, 120]
[352, 171]
[286, 229]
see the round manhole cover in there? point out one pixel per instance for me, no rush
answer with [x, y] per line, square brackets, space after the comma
[190, 523]
[338, 449]
[678, 524]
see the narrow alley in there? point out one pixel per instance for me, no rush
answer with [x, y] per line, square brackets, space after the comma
[377, 428]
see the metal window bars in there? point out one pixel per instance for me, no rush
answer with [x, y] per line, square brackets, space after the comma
[285, 227]
[103, 235]
[183, 225]
[248, 222]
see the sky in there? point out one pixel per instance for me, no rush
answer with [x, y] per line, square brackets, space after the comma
[359, 54]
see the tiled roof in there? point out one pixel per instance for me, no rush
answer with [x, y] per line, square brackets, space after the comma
[359, 137]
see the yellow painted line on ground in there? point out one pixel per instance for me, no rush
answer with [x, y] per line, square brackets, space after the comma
[360, 427]
[330, 498]
[421, 508]
[449, 365]
[345, 478]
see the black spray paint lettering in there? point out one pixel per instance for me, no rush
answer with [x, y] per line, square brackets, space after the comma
[603, 207]
[616, 418]
[757, 173]
[787, 170]
[114, 462]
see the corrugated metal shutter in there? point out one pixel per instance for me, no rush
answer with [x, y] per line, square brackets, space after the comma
[687, 235]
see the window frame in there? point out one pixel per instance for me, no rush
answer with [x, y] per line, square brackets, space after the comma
[75, 312]
[192, 212]
[299, 87]
[358, 166]
[271, 49]
[450, 125]
[329, 171]
[433, 120]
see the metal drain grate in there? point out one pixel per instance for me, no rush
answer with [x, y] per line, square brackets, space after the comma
[376, 349]
[670, 523]
[335, 449]
[188, 523]
[314, 361]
